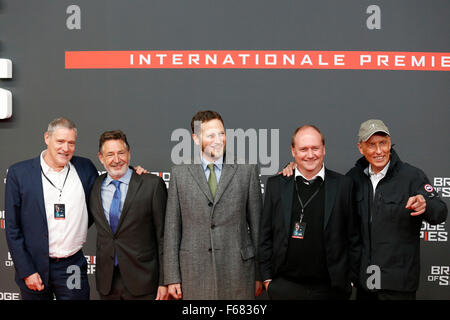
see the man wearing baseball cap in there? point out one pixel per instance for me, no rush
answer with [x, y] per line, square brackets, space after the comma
[392, 198]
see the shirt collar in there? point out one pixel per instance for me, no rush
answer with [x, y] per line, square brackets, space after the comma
[321, 174]
[47, 169]
[124, 179]
[382, 173]
[218, 163]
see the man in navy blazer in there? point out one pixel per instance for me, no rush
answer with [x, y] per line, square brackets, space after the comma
[47, 219]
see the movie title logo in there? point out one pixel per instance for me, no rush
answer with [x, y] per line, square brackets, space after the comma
[91, 263]
[434, 233]
[2, 219]
[9, 296]
[442, 186]
[164, 175]
[439, 275]
[9, 262]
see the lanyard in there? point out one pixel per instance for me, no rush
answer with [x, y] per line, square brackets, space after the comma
[60, 190]
[309, 200]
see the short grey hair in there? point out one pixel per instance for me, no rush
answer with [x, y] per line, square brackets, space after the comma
[61, 123]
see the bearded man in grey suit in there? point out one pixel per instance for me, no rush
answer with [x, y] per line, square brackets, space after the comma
[212, 221]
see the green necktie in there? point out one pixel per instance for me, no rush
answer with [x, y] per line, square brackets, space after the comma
[212, 181]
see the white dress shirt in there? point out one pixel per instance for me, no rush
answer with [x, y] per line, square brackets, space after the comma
[218, 165]
[65, 236]
[321, 174]
[108, 189]
[376, 177]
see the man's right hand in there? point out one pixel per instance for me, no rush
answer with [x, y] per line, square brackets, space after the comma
[34, 282]
[175, 291]
[289, 169]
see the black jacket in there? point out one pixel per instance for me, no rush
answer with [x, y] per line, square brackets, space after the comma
[391, 240]
[138, 240]
[338, 231]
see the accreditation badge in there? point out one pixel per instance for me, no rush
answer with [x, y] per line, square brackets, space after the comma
[299, 230]
[59, 210]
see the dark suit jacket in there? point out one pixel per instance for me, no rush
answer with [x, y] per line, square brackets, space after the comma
[138, 239]
[26, 220]
[340, 233]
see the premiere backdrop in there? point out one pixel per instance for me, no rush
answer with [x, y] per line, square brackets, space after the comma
[267, 66]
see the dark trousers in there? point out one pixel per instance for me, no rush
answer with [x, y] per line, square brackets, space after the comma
[363, 295]
[284, 289]
[120, 292]
[67, 280]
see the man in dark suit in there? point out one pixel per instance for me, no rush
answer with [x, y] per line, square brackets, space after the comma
[128, 210]
[47, 219]
[308, 246]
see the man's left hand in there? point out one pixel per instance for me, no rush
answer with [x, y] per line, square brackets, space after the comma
[417, 204]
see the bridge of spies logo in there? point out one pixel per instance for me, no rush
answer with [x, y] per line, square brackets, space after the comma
[439, 274]
[442, 185]
[164, 175]
[166, 178]
[434, 233]
[9, 296]
[9, 262]
[2, 219]
[91, 263]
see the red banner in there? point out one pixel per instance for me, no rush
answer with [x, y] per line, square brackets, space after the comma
[255, 59]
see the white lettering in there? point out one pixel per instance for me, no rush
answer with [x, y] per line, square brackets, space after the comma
[364, 59]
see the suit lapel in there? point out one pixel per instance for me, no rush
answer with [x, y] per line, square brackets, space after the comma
[133, 187]
[36, 180]
[199, 176]
[97, 189]
[82, 174]
[228, 171]
[286, 194]
[330, 196]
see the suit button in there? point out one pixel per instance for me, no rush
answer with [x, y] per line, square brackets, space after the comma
[209, 249]
[210, 204]
[213, 226]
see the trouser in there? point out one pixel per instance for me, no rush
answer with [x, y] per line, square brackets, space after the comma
[67, 280]
[283, 289]
[120, 292]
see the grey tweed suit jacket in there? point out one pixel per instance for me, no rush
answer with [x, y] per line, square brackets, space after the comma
[210, 244]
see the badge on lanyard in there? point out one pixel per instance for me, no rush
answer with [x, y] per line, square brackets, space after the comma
[60, 211]
[300, 226]
[299, 230]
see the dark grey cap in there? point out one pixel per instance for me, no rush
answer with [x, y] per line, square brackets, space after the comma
[369, 128]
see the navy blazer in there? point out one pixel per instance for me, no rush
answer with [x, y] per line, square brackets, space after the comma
[26, 220]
